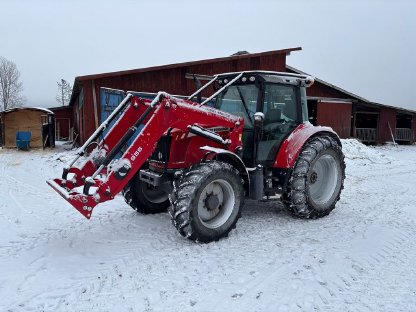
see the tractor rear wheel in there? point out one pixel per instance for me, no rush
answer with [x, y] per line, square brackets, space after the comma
[317, 179]
[206, 201]
[145, 198]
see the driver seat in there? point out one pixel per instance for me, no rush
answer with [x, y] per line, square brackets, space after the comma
[273, 115]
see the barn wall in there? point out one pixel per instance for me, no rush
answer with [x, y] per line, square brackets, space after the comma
[63, 126]
[23, 120]
[387, 116]
[335, 115]
[87, 118]
[320, 90]
[76, 117]
[83, 113]
[171, 80]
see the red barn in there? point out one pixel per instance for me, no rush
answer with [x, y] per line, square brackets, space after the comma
[88, 102]
[348, 114]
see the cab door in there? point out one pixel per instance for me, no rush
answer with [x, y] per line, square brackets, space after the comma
[281, 116]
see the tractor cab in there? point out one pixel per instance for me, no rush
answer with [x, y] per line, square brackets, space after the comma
[272, 105]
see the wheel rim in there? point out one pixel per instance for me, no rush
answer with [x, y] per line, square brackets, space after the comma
[154, 195]
[324, 181]
[216, 203]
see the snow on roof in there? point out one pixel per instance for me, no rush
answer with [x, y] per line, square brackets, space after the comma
[44, 109]
[29, 108]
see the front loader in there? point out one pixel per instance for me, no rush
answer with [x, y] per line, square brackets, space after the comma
[200, 162]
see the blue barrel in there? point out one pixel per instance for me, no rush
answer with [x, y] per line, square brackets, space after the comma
[23, 140]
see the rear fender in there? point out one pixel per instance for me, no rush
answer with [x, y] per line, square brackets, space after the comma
[292, 145]
[232, 159]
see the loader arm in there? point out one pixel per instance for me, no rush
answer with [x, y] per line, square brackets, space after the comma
[132, 109]
[153, 119]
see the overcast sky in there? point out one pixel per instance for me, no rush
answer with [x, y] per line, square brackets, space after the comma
[367, 47]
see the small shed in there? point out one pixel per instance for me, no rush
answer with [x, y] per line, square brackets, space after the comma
[39, 121]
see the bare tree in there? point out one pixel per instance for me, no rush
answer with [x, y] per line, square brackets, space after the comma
[11, 87]
[64, 92]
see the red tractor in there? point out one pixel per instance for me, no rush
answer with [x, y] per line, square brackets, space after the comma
[250, 139]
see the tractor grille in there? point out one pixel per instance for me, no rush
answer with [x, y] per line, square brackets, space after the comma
[161, 153]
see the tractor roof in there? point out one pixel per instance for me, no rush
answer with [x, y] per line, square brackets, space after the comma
[270, 76]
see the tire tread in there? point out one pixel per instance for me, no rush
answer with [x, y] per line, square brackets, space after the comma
[295, 195]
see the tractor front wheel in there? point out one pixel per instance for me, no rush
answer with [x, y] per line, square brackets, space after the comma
[206, 201]
[317, 179]
[145, 198]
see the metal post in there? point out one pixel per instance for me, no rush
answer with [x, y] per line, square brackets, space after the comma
[222, 89]
[203, 87]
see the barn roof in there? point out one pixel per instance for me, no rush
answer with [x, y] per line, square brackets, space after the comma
[200, 62]
[58, 108]
[237, 56]
[347, 93]
[352, 95]
[398, 109]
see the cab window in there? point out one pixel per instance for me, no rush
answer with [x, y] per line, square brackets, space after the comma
[240, 101]
[279, 104]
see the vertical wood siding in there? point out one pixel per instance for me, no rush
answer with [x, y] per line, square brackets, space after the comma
[387, 116]
[335, 115]
[171, 80]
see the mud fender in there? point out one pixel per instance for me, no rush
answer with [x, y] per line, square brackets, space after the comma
[292, 145]
[233, 159]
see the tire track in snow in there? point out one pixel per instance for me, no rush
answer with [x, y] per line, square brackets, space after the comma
[22, 193]
[394, 249]
[397, 246]
[352, 275]
[215, 276]
[19, 206]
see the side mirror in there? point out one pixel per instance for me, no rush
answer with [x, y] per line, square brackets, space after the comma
[198, 85]
[258, 119]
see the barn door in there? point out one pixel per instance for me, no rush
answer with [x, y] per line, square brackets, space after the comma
[109, 100]
[48, 130]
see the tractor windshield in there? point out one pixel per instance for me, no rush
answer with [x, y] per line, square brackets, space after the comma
[239, 100]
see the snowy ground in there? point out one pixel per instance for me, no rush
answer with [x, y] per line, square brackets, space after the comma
[359, 258]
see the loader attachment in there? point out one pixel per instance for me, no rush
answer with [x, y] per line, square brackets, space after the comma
[81, 202]
[101, 176]
[78, 182]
